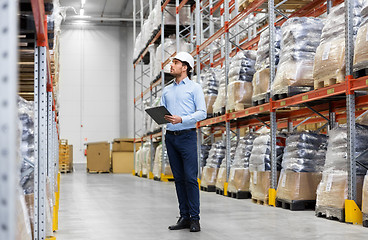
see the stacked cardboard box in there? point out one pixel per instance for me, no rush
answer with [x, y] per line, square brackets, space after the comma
[123, 155]
[98, 157]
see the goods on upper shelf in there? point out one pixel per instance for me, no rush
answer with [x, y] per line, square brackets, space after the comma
[210, 86]
[219, 104]
[303, 160]
[153, 23]
[205, 150]
[261, 77]
[240, 76]
[361, 44]
[300, 38]
[329, 61]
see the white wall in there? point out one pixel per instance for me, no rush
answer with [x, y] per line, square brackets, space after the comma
[89, 85]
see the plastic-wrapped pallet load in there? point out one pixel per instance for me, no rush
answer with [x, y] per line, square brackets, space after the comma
[205, 150]
[25, 216]
[240, 76]
[333, 189]
[365, 201]
[154, 127]
[214, 160]
[361, 44]
[210, 87]
[300, 38]
[138, 161]
[157, 166]
[260, 165]
[221, 176]
[146, 158]
[302, 164]
[261, 77]
[219, 104]
[239, 178]
[329, 61]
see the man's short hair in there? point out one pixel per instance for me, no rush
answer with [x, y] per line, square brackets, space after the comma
[189, 73]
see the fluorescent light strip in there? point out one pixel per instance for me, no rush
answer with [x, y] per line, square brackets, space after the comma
[81, 12]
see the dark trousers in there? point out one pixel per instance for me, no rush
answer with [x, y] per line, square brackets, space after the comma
[182, 152]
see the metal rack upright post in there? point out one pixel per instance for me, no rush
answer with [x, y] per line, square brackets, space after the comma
[8, 114]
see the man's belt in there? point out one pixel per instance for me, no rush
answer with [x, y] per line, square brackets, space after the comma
[179, 132]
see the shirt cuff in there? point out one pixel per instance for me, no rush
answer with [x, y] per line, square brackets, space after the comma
[185, 119]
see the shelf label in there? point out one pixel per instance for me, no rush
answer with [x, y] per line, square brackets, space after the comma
[366, 82]
[255, 178]
[283, 181]
[305, 97]
[220, 118]
[330, 91]
[233, 115]
[329, 182]
[283, 103]
[247, 112]
[261, 109]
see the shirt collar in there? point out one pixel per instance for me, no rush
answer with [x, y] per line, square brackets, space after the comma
[185, 81]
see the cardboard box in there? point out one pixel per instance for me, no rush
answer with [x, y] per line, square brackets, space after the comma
[209, 176]
[298, 185]
[123, 145]
[239, 180]
[365, 196]
[98, 157]
[122, 162]
[71, 158]
[260, 183]
[333, 190]
[221, 178]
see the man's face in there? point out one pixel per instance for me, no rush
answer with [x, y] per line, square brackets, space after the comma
[177, 68]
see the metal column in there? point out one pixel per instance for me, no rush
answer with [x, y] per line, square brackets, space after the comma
[198, 38]
[40, 122]
[8, 117]
[163, 83]
[50, 143]
[350, 100]
[271, 20]
[177, 26]
[227, 53]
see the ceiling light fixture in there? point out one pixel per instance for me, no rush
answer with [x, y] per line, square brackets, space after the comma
[81, 12]
[83, 2]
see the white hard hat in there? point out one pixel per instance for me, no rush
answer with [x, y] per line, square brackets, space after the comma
[185, 57]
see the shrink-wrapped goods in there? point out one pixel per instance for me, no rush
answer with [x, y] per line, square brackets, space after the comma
[329, 63]
[303, 161]
[239, 171]
[214, 160]
[157, 165]
[263, 52]
[240, 76]
[365, 196]
[361, 43]
[221, 177]
[333, 189]
[205, 150]
[300, 38]
[210, 85]
[219, 104]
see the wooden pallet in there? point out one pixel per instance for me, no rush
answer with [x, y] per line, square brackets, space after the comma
[325, 83]
[365, 219]
[219, 191]
[331, 213]
[260, 201]
[239, 195]
[210, 188]
[238, 107]
[261, 99]
[295, 205]
[291, 91]
[97, 172]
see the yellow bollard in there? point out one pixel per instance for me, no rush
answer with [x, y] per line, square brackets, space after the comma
[272, 197]
[352, 213]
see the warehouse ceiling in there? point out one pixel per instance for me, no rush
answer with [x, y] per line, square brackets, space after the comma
[103, 8]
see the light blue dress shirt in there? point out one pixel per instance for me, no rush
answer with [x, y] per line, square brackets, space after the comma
[186, 100]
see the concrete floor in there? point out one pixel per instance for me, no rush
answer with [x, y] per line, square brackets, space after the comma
[121, 206]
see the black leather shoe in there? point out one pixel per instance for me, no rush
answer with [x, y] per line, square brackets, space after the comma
[195, 226]
[181, 224]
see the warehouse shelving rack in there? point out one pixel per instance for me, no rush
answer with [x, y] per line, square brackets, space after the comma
[46, 129]
[329, 104]
[143, 72]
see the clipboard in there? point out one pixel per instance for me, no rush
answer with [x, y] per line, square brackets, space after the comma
[158, 114]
